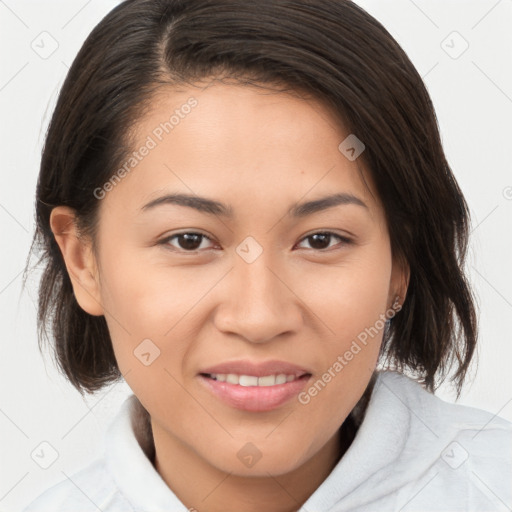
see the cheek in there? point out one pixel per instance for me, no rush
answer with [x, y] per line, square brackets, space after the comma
[349, 356]
[149, 323]
[142, 302]
[148, 297]
[352, 304]
[352, 296]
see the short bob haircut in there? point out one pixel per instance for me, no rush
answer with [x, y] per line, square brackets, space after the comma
[331, 50]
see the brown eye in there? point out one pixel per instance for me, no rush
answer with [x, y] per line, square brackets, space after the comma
[321, 240]
[186, 242]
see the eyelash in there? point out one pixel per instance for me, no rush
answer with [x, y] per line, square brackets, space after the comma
[165, 241]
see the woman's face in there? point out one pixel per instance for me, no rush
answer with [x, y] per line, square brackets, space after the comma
[250, 283]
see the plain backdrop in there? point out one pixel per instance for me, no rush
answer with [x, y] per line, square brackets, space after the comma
[463, 51]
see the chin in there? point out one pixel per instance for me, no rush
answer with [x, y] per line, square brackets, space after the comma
[250, 461]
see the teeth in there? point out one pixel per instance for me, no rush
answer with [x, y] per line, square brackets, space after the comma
[231, 378]
[246, 380]
[251, 380]
[269, 380]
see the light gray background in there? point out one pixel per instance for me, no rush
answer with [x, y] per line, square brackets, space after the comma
[472, 93]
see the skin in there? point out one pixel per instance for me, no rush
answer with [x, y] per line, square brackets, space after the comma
[259, 152]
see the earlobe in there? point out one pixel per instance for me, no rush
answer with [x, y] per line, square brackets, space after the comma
[79, 259]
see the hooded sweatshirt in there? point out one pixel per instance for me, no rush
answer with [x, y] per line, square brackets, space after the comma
[413, 452]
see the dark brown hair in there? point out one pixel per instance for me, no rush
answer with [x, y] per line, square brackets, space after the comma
[331, 49]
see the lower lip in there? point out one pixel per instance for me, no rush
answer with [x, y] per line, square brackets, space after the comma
[255, 398]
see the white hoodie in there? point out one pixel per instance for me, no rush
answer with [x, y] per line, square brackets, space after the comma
[412, 452]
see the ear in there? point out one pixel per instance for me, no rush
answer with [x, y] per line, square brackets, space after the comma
[400, 276]
[79, 259]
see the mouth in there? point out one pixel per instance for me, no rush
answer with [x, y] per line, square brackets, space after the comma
[254, 393]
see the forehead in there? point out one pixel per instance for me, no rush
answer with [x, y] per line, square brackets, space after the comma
[245, 144]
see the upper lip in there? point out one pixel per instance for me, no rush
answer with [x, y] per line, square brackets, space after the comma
[258, 369]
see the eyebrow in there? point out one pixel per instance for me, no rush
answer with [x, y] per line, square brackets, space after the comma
[212, 207]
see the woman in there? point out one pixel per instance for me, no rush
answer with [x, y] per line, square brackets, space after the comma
[245, 208]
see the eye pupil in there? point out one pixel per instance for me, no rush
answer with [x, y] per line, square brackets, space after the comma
[322, 237]
[191, 240]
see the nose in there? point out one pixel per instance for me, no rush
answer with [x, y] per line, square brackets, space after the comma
[258, 302]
